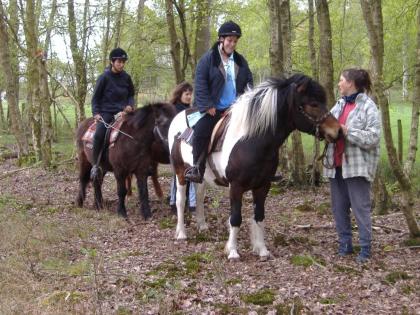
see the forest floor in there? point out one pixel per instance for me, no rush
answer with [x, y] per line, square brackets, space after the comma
[56, 258]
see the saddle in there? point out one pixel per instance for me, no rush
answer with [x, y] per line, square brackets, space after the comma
[111, 134]
[217, 138]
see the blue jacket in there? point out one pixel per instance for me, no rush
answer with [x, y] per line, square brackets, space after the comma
[113, 92]
[210, 78]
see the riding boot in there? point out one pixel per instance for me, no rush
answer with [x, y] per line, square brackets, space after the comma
[96, 170]
[195, 173]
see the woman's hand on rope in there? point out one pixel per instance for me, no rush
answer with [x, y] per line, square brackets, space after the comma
[97, 117]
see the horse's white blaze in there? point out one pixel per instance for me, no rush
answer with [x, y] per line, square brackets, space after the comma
[232, 244]
[257, 239]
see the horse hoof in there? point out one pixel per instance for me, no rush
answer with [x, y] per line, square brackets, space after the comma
[233, 256]
[265, 257]
[181, 236]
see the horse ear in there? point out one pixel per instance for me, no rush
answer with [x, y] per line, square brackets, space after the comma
[303, 86]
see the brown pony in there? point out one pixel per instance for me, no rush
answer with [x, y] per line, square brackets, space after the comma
[146, 126]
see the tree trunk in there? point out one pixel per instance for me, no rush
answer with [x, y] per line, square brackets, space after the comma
[311, 40]
[415, 111]
[33, 88]
[106, 40]
[406, 74]
[137, 58]
[118, 25]
[187, 57]
[372, 13]
[276, 47]
[381, 200]
[3, 124]
[202, 31]
[78, 60]
[326, 74]
[175, 43]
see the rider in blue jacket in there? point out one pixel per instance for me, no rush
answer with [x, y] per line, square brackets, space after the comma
[221, 76]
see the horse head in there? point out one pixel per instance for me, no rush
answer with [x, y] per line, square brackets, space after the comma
[163, 114]
[307, 104]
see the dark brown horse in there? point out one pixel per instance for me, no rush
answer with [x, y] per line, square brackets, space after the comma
[146, 126]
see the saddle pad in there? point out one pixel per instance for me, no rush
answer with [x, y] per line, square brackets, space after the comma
[187, 136]
[193, 118]
[116, 126]
[219, 133]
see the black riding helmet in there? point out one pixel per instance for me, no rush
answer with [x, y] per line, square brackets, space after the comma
[118, 53]
[229, 28]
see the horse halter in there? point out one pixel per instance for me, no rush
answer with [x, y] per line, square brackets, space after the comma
[317, 122]
[159, 135]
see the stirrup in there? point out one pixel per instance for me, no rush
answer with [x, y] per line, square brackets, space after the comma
[193, 174]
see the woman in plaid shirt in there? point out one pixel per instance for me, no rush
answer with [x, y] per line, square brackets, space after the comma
[353, 160]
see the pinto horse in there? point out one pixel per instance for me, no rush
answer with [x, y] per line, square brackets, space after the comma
[260, 121]
[127, 156]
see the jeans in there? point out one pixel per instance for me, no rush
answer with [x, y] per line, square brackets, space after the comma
[351, 193]
[191, 193]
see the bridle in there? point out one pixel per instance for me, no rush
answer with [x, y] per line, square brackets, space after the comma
[158, 134]
[317, 122]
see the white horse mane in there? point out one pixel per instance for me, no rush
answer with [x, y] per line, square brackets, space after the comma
[255, 112]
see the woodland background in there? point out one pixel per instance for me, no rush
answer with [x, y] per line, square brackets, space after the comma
[53, 51]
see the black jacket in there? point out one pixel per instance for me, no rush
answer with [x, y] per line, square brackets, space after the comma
[113, 92]
[210, 78]
[181, 106]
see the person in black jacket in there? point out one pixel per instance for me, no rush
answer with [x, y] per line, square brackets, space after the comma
[221, 76]
[113, 93]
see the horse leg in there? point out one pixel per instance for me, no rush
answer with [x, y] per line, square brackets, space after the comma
[97, 186]
[257, 225]
[122, 192]
[143, 195]
[128, 185]
[200, 215]
[181, 190]
[235, 221]
[154, 175]
[84, 177]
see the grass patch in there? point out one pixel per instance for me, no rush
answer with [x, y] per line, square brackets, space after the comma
[290, 307]
[305, 207]
[415, 241]
[280, 240]
[346, 269]
[263, 297]
[393, 277]
[193, 262]
[324, 208]
[225, 309]
[64, 297]
[156, 284]
[233, 281]
[201, 237]
[166, 223]
[306, 261]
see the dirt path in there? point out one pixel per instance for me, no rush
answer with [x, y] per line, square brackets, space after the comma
[56, 258]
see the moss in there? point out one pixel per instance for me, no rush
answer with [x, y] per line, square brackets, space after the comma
[307, 260]
[324, 209]
[347, 269]
[166, 223]
[276, 190]
[61, 297]
[280, 240]
[233, 281]
[415, 241]
[156, 284]
[263, 297]
[394, 276]
[407, 289]
[304, 240]
[305, 207]
[169, 269]
[225, 309]
[123, 311]
[193, 262]
[293, 307]
[201, 238]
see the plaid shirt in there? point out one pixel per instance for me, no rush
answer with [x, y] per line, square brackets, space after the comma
[361, 151]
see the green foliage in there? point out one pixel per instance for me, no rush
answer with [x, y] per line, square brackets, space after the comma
[306, 261]
[415, 241]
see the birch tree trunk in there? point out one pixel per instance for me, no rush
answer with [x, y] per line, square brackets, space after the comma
[105, 48]
[11, 78]
[326, 73]
[202, 31]
[78, 59]
[415, 111]
[276, 48]
[118, 23]
[3, 125]
[372, 13]
[175, 42]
